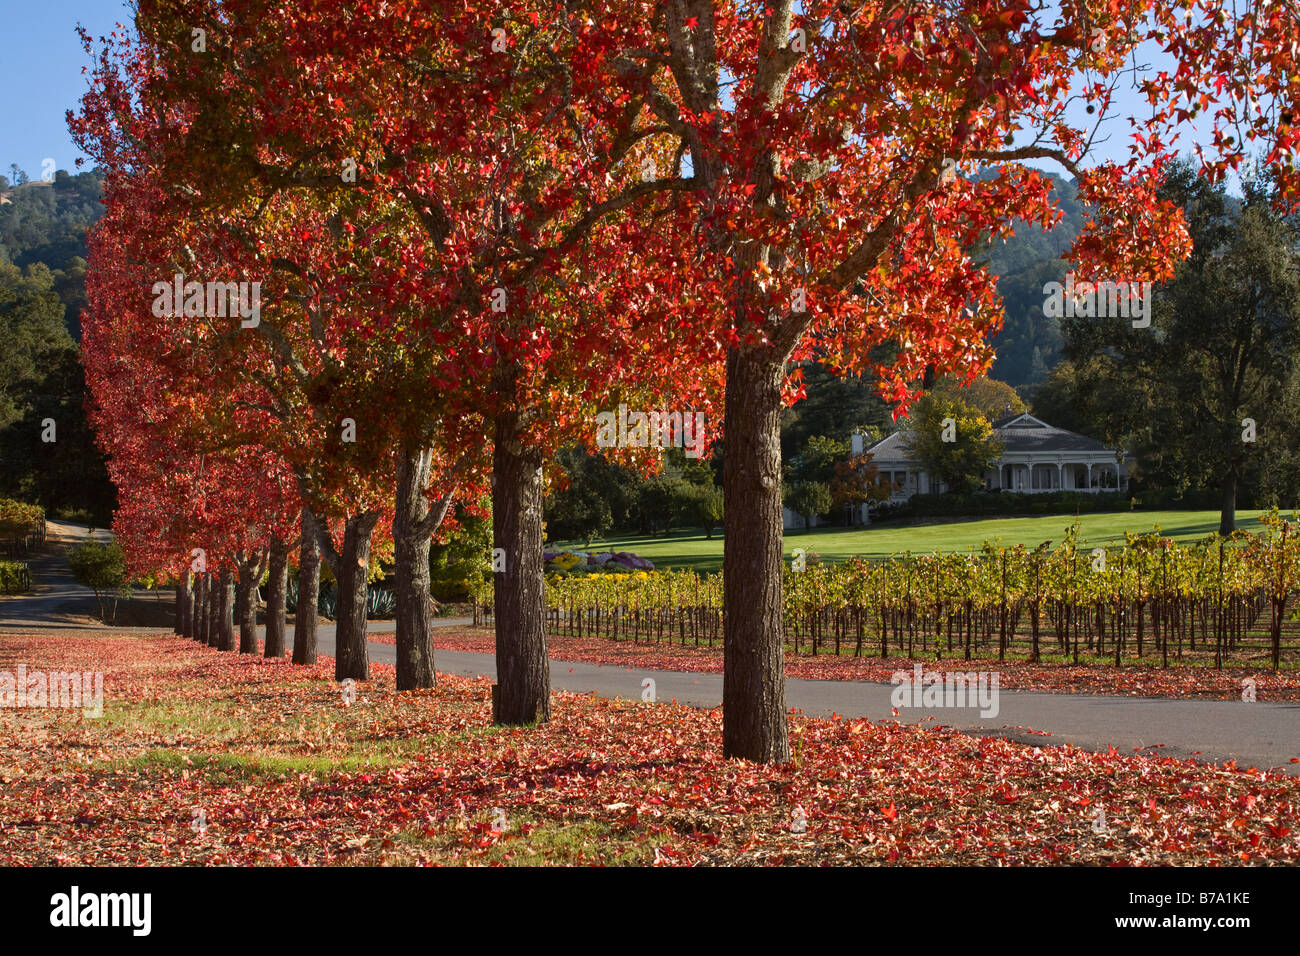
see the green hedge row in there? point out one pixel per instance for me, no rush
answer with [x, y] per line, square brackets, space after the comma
[1007, 503]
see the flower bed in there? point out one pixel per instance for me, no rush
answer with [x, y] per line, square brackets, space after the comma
[606, 562]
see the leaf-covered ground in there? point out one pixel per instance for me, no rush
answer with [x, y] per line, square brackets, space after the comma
[1062, 678]
[204, 757]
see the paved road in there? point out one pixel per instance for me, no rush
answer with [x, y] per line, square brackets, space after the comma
[1264, 735]
[56, 602]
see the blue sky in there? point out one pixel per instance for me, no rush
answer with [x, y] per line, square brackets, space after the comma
[40, 76]
[41, 60]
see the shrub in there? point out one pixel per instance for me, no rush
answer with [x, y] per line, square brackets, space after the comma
[380, 603]
[702, 507]
[21, 526]
[76, 515]
[808, 499]
[13, 577]
[102, 568]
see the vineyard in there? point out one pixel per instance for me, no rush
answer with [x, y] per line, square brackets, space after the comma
[1217, 602]
[22, 528]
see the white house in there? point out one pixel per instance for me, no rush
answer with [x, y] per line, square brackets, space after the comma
[1036, 458]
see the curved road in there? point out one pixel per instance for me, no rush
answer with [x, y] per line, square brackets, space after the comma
[1263, 734]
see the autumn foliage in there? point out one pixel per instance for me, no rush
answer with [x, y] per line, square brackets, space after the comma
[277, 768]
[476, 226]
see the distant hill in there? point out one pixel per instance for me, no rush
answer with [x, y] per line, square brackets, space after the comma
[46, 222]
[1030, 342]
[42, 293]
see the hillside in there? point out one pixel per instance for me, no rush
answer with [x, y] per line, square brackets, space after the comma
[42, 293]
[46, 222]
[1029, 344]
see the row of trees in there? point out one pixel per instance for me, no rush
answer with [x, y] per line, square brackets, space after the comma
[475, 226]
[428, 245]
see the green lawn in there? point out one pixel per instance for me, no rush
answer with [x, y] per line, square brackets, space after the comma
[693, 550]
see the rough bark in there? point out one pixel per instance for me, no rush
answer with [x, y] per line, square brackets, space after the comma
[753, 689]
[304, 621]
[214, 610]
[201, 608]
[1228, 509]
[276, 593]
[413, 525]
[244, 604]
[523, 671]
[226, 610]
[185, 587]
[351, 568]
[251, 569]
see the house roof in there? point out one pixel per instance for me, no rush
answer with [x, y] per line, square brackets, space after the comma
[1019, 434]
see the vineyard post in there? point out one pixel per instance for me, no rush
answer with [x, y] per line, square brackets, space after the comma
[1218, 621]
[910, 630]
[1121, 618]
[1073, 613]
[1002, 612]
[1033, 657]
[1162, 631]
[938, 618]
[1279, 598]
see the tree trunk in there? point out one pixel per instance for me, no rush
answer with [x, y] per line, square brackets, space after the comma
[178, 619]
[244, 604]
[1228, 510]
[304, 620]
[351, 567]
[523, 670]
[186, 585]
[753, 685]
[411, 538]
[201, 608]
[226, 611]
[276, 587]
[251, 569]
[214, 610]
